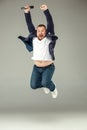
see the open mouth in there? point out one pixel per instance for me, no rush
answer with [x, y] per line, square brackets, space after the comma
[40, 35]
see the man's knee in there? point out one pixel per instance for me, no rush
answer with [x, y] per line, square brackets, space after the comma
[33, 86]
[45, 83]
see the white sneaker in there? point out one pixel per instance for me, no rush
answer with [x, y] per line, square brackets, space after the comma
[54, 93]
[46, 90]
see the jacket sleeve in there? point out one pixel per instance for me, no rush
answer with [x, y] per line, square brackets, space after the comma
[50, 24]
[28, 40]
[29, 23]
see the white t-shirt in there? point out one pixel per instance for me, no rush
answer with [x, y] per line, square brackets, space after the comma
[41, 49]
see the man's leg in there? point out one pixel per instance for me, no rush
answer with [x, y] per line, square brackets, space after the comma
[47, 80]
[47, 77]
[35, 78]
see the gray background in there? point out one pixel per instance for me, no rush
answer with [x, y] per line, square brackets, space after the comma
[70, 19]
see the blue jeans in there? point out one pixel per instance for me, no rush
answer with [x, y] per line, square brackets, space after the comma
[41, 77]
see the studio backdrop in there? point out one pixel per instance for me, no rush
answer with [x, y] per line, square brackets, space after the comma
[70, 77]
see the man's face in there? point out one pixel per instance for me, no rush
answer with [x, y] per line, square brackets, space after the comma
[41, 32]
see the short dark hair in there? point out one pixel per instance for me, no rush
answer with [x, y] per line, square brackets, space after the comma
[41, 25]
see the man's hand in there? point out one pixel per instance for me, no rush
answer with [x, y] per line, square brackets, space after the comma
[43, 7]
[27, 9]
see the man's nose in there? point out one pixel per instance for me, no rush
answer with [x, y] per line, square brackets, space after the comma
[40, 33]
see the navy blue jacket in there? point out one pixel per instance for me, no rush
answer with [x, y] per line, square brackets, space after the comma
[50, 34]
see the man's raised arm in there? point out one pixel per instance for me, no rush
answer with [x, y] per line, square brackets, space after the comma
[28, 19]
[50, 24]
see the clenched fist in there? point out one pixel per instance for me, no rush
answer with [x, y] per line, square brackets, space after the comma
[43, 7]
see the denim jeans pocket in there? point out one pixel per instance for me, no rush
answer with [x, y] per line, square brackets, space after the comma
[52, 66]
